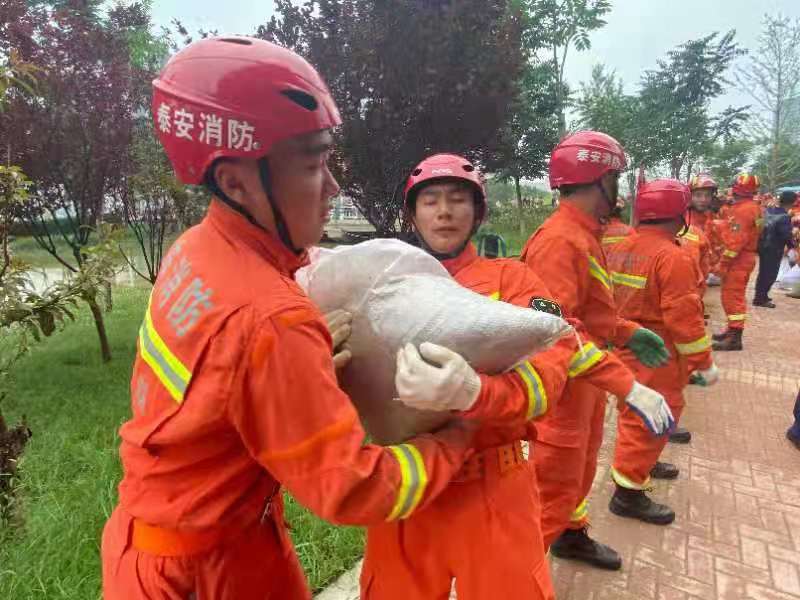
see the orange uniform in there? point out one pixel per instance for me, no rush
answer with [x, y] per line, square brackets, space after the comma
[697, 246]
[566, 253]
[234, 394]
[614, 232]
[655, 287]
[485, 529]
[740, 233]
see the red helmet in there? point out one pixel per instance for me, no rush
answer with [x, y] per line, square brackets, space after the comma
[746, 184]
[662, 199]
[235, 97]
[703, 181]
[450, 166]
[585, 157]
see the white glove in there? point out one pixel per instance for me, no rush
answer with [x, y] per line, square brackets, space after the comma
[707, 377]
[449, 384]
[651, 407]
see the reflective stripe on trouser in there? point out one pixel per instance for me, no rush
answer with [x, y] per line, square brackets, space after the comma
[734, 287]
[568, 441]
[259, 562]
[485, 533]
[637, 449]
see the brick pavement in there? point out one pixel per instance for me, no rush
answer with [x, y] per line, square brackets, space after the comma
[737, 531]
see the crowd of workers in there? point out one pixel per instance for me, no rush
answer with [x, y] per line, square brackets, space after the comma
[234, 390]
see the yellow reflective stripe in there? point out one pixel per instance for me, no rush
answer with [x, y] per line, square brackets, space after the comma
[585, 359]
[730, 254]
[537, 395]
[694, 347]
[614, 239]
[598, 272]
[170, 371]
[581, 512]
[737, 317]
[623, 481]
[413, 480]
[693, 237]
[494, 296]
[634, 281]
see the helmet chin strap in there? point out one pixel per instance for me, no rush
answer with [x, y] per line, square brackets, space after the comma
[684, 228]
[266, 185]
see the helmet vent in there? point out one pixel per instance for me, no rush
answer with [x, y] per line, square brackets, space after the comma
[416, 172]
[468, 168]
[302, 98]
[240, 41]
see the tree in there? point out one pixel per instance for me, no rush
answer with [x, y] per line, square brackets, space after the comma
[726, 159]
[530, 135]
[410, 77]
[72, 138]
[563, 24]
[673, 123]
[772, 79]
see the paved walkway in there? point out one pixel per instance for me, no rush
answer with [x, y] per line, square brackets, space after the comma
[737, 533]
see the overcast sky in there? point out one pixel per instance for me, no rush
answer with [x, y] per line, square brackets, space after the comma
[638, 31]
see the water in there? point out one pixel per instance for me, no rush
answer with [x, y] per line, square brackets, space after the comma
[43, 278]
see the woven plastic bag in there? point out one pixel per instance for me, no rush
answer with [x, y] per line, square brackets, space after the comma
[398, 294]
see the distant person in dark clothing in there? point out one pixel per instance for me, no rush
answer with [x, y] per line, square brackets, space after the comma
[793, 433]
[776, 236]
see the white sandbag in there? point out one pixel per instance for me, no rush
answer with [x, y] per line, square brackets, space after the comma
[398, 294]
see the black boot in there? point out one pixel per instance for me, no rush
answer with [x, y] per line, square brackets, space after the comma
[718, 337]
[732, 343]
[764, 303]
[635, 504]
[680, 436]
[664, 470]
[575, 544]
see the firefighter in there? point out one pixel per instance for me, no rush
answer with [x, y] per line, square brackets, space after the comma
[694, 239]
[654, 286]
[485, 529]
[234, 392]
[740, 234]
[566, 254]
[615, 229]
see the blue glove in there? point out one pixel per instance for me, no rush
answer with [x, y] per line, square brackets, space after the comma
[648, 348]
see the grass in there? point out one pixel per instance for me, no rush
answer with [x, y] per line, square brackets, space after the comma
[69, 473]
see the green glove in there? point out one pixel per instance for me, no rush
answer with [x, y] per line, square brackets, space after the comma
[648, 348]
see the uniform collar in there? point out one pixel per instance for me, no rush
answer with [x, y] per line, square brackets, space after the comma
[580, 218]
[655, 233]
[239, 230]
[468, 256]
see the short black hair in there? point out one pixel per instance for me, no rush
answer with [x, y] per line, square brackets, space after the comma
[788, 197]
[568, 190]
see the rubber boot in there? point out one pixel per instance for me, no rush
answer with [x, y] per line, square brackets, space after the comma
[681, 435]
[764, 303]
[732, 343]
[718, 337]
[664, 470]
[575, 544]
[635, 504]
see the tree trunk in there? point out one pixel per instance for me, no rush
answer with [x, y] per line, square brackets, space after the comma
[109, 296]
[105, 348]
[520, 209]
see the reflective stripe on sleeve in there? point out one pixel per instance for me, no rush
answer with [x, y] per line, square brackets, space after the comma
[170, 371]
[598, 272]
[626, 279]
[585, 359]
[537, 396]
[701, 345]
[413, 480]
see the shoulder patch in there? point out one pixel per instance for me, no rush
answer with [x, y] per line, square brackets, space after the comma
[546, 306]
